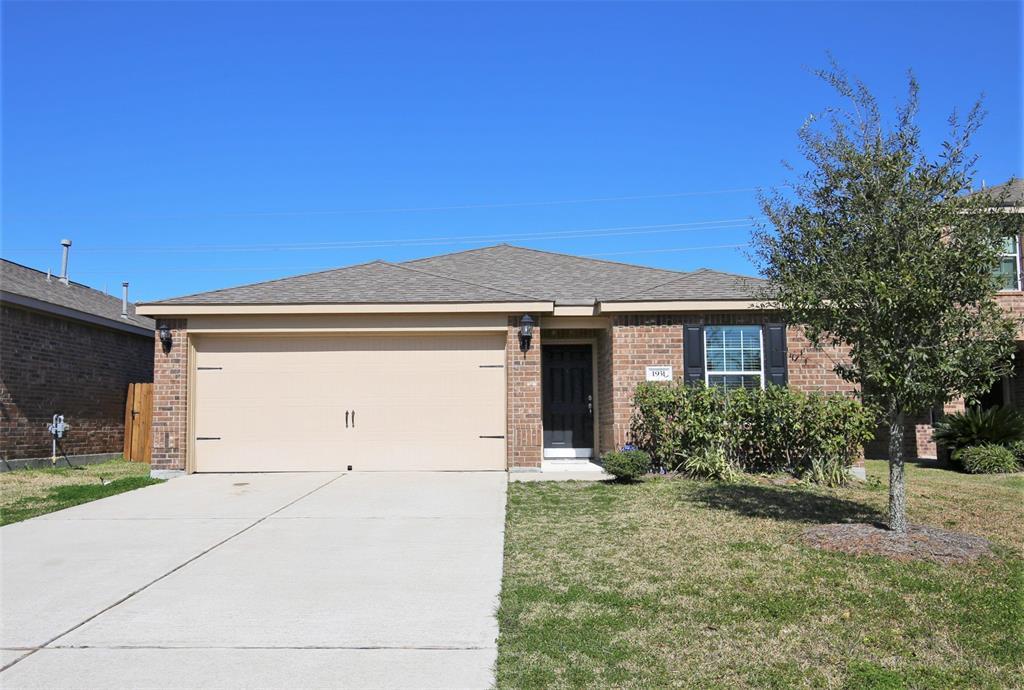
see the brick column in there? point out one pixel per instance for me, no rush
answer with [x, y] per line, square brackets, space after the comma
[525, 434]
[170, 399]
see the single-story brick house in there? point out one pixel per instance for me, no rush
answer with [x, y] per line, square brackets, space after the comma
[433, 363]
[66, 349]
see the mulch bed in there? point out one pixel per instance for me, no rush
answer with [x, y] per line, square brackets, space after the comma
[920, 543]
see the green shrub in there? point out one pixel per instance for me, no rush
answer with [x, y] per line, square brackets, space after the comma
[810, 435]
[670, 420]
[976, 427]
[988, 458]
[627, 465]
[1017, 448]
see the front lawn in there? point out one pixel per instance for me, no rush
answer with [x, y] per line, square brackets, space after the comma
[674, 582]
[27, 493]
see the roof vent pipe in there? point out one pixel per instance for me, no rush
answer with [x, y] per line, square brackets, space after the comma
[64, 261]
[124, 300]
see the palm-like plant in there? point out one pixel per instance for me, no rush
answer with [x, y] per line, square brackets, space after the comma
[975, 427]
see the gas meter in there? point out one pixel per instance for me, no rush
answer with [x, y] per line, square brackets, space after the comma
[56, 428]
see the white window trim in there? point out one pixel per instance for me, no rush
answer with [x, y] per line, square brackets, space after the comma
[1016, 263]
[707, 371]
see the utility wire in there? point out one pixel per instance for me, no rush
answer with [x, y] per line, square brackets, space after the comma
[457, 207]
[674, 249]
[725, 224]
[222, 269]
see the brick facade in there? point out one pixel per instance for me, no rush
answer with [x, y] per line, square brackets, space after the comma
[52, 365]
[639, 341]
[524, 436]
[170, 398]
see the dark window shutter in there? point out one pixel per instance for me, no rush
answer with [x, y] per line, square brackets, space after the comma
[693, 353]
[775, 353]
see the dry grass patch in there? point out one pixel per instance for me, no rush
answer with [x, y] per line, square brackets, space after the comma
[29, 493]
[673, 582]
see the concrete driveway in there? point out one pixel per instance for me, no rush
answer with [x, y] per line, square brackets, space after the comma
[245, 580]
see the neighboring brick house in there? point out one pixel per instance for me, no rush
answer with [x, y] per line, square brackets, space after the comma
[65, 348]
[1009, 390]
[433, 363]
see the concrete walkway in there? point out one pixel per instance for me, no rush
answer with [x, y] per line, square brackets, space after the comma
[245, 580]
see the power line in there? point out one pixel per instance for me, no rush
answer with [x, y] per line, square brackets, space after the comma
[222, 269]
[456, 207]
[675, 249]
[724, 224]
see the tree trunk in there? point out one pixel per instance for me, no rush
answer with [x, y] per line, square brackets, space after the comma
[897, 485]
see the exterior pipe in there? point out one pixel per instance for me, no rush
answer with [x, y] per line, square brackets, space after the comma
[124, 300]
[64, 261]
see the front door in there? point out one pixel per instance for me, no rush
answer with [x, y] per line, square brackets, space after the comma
[568, 390]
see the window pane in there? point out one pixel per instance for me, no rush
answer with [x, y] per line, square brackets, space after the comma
[1006, 273]
[734, 349]
[1010, 245]
[731, 383]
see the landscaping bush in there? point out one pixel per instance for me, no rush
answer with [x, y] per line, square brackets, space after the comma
[977, 427]
[988, 458]
[709, 462]
[627, 465]
[1017, 448]
[811, 435]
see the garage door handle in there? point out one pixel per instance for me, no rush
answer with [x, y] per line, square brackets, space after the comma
[346, 419]
[353, 419]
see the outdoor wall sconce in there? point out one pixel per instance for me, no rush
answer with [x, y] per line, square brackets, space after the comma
[165, 336]
[525, 332]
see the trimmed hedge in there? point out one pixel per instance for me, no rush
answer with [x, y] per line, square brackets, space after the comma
[810, 435]
[989, 458]
[627, 465]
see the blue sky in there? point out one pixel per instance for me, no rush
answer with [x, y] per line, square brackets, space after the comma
[191, 146]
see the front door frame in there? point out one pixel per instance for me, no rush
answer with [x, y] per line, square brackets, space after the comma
[592, 342]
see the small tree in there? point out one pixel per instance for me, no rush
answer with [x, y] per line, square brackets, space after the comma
[880, 249]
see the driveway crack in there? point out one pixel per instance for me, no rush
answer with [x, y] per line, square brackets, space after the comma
[169, 572]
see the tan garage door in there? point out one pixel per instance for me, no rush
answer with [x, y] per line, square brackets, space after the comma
[279, 403]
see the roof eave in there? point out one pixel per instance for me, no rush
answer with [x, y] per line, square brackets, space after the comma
[185, 310]
[73, 314]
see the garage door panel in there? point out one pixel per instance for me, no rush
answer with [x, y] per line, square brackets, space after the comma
[279, 403]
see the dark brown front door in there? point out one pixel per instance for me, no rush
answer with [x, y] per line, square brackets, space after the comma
[568, 400]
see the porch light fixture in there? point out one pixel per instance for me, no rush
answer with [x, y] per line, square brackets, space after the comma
[165, 336]
[525, 332]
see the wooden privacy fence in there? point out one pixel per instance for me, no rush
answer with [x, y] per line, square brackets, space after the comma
[138, 422]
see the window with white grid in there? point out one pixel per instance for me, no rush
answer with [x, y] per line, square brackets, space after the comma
[732, 357]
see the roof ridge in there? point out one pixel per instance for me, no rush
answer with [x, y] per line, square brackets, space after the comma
[272, 280]
[460, 280]
[690, 273]
[549, 253]
[462, 251]
[591, 258]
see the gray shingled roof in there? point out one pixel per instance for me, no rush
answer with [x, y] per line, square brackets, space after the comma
[702, 284]
[377, 282]
[501, 273]
[559, 277]
[1010, 193]
[23, 281]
